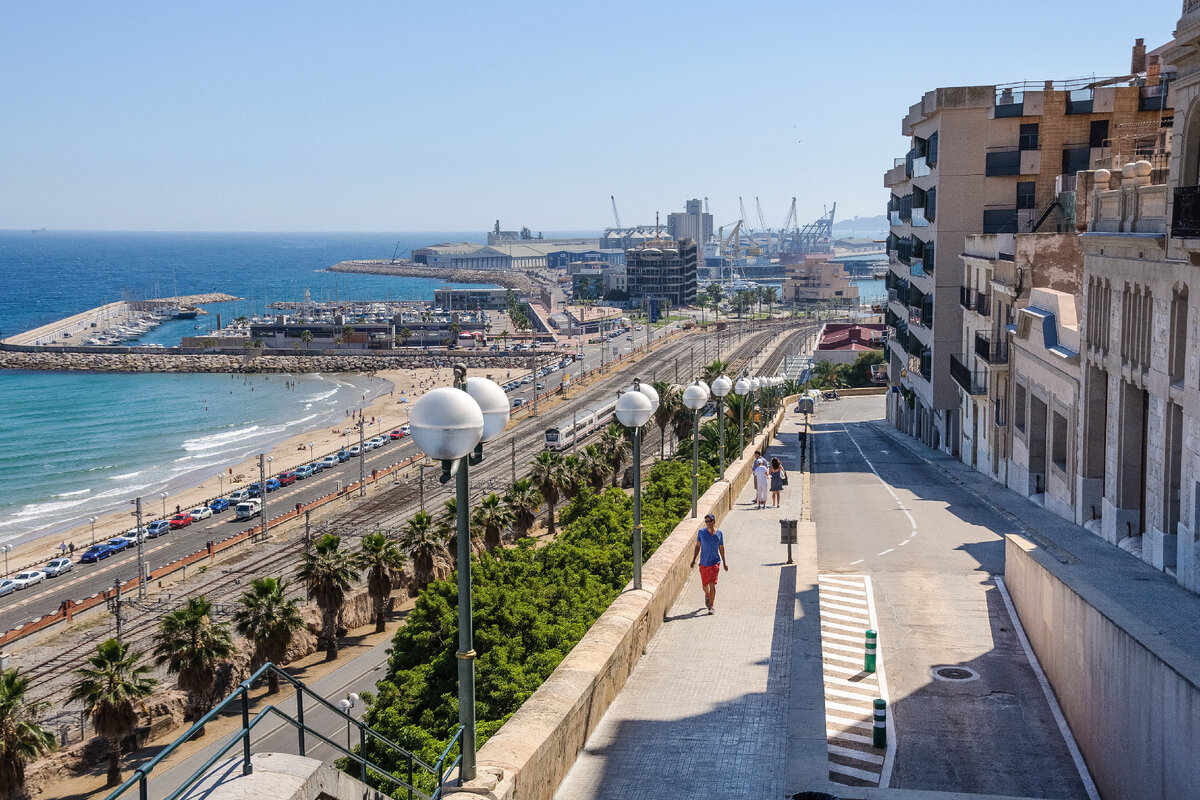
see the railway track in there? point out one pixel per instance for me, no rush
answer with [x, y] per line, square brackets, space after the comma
[51, 677]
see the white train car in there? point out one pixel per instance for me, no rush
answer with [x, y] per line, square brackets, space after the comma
[578, 427]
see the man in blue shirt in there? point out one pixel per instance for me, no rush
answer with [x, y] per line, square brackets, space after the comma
[710, 548]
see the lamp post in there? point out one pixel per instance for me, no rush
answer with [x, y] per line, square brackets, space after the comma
[6, 548]
[451, 424]
[721, 386]
[349, 702]
[741, 389]
[221, 483]
[695, 397]
[163, 497]
[634, 410]
[93, 521]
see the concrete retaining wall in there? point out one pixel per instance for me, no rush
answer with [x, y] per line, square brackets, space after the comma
[531, 754]
[1133, 702]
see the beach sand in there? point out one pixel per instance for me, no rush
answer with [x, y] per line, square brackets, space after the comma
[388, 410]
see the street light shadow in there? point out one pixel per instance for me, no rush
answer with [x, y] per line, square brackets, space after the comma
[699, 612]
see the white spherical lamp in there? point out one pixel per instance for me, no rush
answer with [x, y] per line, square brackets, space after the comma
[493, 402]
[742, 387]
[446, 423]
[651, 394]
[722, 386]
[695, 396]
[755, 384]
[633, 409]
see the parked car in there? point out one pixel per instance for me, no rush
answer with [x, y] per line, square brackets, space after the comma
[181, 520]
[396, 434]
[355, 450]
[287, 478]
[119, 543]
[248, 508]
[219, 505]
[272, 484]
[200, 512]
[96, 552]
[316, 466]
[539, 385]
[57, 567]
[239, 496]
[406, 429]
[135, 534]
[343, 456]
[303, 471]
[30, 577]
[158, 528]
[7, 587]
[526, 379]
[520, 401]
[331, 461]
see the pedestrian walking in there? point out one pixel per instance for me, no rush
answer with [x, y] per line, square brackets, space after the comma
[760, 481]
[71, 548]
[778, 481]
[710, 549]
[62, 547]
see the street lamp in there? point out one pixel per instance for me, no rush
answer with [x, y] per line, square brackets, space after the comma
[93, 521]
[741, 389]
[695, 397]
[448, 424]
[633, 410]
[6, 548]
[721, 387]
[163, 496]
[349, 702]
[221, 483]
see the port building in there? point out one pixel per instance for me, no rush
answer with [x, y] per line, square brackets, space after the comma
[664, 271]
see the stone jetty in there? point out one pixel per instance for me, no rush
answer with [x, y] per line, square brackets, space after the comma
[509, 279]
[66, 361]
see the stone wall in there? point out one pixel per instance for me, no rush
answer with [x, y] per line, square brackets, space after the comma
[105, 361]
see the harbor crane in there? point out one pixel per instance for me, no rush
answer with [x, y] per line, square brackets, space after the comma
[616, 216]
[742, 208]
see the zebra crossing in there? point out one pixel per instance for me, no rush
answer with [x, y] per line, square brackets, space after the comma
[847, 611]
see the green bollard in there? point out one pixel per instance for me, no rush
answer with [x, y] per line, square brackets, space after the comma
[879, 733]
[869, 658]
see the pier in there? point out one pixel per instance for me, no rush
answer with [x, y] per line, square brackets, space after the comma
[72, 330]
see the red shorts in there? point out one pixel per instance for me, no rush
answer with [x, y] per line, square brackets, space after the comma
[708, 575]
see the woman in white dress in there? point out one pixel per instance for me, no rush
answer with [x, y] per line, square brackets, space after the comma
[760, 480]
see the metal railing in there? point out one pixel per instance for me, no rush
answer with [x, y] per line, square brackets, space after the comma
[972, 382]
[241, 696]
[993, 351]
[1185, 220]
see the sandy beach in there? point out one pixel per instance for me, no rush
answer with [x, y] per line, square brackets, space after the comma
[387, 410]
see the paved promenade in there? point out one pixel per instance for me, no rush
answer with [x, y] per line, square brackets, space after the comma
[708, 710]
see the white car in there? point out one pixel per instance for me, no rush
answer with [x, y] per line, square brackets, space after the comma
[355, 450]
[239, 496]
[7, 587]
[57, 567]
[200, 512]
[330, 461]
[30, 577]
[135, 534]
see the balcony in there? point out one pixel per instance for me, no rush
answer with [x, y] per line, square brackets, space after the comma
[972, 382]
[1006, 161]
[920, 167]
[966, 298]
[1009, 104]
[1080, 101]
[918, 218]
[916, 268]
[991, 351]
[983, 304]
[1185, 220]
[1153, 98]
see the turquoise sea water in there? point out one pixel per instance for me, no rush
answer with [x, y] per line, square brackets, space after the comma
[75, 445]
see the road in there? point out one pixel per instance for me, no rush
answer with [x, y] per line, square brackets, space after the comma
[931, 551]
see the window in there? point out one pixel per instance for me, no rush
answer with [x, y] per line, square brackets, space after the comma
[1029, 136]
[1019, 408]
[1075, 159]
[1059, 441]
[931, 153]
[1098, 133]
[1026, 194]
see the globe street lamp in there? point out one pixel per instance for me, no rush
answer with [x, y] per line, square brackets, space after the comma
[451, 424]
[93, 521]
[6, 548]
[695, 397]
[741, 389]
[221, 483]
[163, 497]
[349, 702]
[633, 410]
[721, 387]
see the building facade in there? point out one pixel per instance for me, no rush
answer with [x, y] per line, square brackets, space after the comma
[663, 270]
[816, 279]
[693, 224]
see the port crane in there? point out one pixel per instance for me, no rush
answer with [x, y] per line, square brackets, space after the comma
[616, 216]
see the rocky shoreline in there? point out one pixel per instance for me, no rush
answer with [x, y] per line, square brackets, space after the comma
[509, 279]
[253, 363]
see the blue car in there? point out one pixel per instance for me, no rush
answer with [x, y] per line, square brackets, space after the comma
[96, 552]
[343, 456]
[304, 471]
[158, 528]
[219, 505]
[255, 489]
[316, 467]
[119, 543]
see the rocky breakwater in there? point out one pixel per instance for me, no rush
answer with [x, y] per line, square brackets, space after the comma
[251, 362]
[509, 279]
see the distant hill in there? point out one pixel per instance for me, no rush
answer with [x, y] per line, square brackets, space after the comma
[879, 222]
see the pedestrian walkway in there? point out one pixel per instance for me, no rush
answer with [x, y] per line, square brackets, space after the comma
[719, 704]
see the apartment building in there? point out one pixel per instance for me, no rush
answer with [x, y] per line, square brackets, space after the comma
[663, 270]
[816, 279]
[1004, 161]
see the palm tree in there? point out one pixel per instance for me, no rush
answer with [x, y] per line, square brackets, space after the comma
[769, 296]
[404, 334]
[347, 331]
[503, 337]
[615, 447]
[574, 478]
[594, 467]
[328, 572]
[193, 648]
[421, 543]
[382, 561]
[827, 375]
[22, 739]
[306, 336]
[712, 371]
[112, 689]
[547, 476]
[669, 402]
[525, 501]
[267, 617]
[493, 517]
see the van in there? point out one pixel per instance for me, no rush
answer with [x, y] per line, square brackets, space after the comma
[239, 496]
[248, 509]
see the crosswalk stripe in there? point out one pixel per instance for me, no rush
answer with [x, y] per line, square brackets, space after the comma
[837, 626]
[864, 620]
[839, 607]
[849, 737]
[866, 724]
[867, 710]
[847, 648]
[861, 774]
[841, 637]
[842, 658]
[866, 684]
[841, 668]
[855, 583]
[850, 595]
[865, 697]
[858, 755]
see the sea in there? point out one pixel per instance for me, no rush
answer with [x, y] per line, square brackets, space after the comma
[79, 445]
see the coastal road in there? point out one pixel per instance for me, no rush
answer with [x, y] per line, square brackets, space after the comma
[930, 551]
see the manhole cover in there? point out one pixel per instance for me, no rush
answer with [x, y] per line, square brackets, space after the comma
[954, 674]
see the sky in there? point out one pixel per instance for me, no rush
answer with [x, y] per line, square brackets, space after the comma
[435, 116]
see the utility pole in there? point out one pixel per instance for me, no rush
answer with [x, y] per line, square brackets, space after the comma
[362, 460]
[140, 535]
[307, 529]
[421, 468]
[117, 607]
[262, 482]
[513, 443]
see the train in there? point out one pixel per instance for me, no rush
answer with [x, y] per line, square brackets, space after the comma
[579, 426]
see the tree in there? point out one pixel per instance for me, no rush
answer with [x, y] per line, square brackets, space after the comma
[525, 501]
[769, 295]
[493, 517]
[827, 375]
[547, 476]
[615, 448]
[503, 337]
[742, 301]
[269, 619]
[404, 334]
[710, 372]
[328, 573]
[421, 543]
[574, 477]
[682, 423]
[594, 467]
[306, 336]
[22, 739]
[382, 561]
[112, 689]
[193, 648]
[714, 293]
[669, 403]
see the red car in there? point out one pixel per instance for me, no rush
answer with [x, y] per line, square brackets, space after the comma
[287, 478]
[181, 520]
[396, 434]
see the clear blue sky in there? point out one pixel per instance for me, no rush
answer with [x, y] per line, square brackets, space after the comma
[411, 116]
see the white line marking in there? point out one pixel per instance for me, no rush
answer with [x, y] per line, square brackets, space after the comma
[865, 682]
[864, 619]
[837, 627]
[885, 552]
[847, 736]
[867, 698]
[840, 668]
[851, 772]
[860, 640]
[906, 541]
[847, 648]
[1063, 728]
[838, 607]
[843, 659]
[855, 584]
[844, 595]
[887, 486]
[852, 563]
[857, 755]
[854, 723]
[847, 707]
[885, 776]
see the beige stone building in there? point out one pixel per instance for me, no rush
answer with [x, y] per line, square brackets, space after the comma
[817, 280]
